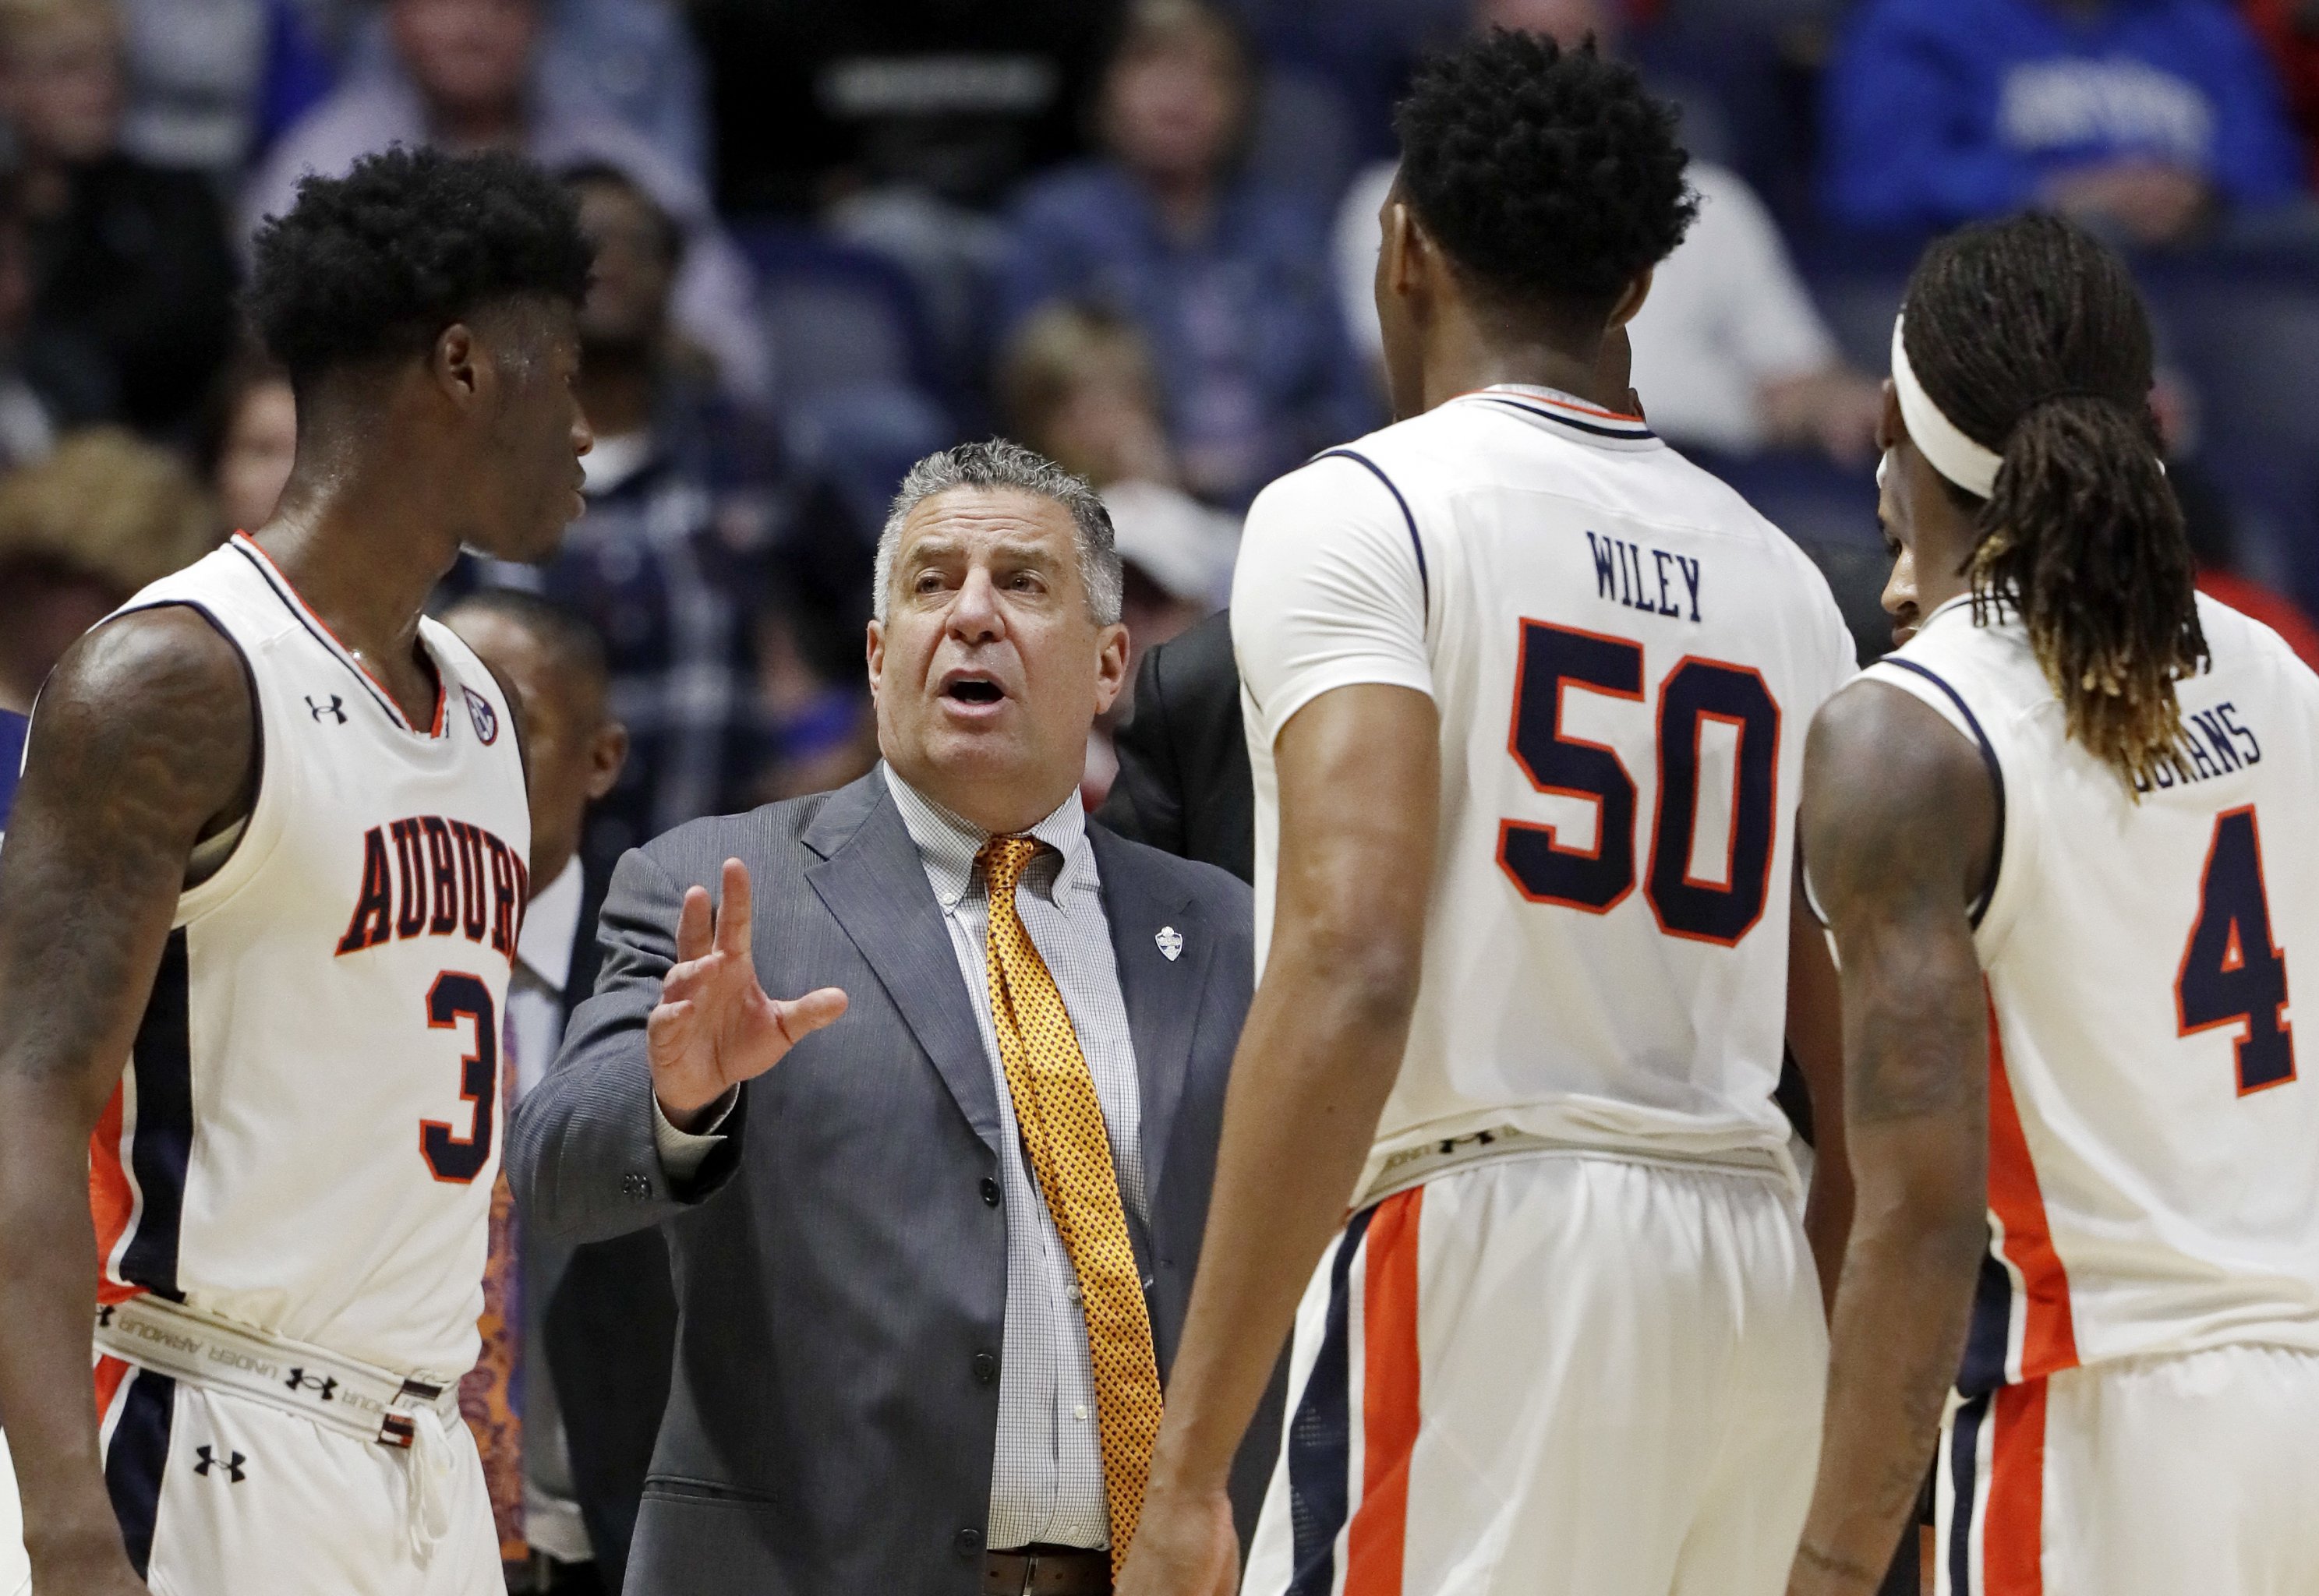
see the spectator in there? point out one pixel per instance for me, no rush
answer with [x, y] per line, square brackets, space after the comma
[1076, 385]
[127, 257]
[635, 59]
[2146, 118]
[80, 533]
[247, 443]
[2289, 29]
[212, 82]
[691, 505]
[466, 79]
[49, 381]
[1730, 356]
[1224, 277]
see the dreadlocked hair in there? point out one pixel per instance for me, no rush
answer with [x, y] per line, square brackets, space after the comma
[2028, 334]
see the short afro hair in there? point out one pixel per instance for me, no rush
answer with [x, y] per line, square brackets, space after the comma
[1545, 173]
[374, 265]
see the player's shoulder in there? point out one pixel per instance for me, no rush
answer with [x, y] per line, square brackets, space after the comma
[2238, 643]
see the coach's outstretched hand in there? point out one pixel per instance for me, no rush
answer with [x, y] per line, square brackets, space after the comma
[715, 1027]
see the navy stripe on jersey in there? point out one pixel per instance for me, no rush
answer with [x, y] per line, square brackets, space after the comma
[136, 1460]
[1628, 432]
[1320, 1434]
[160, 1063]
[1996, 779]
[1424, 583]
[1965, 1480]
[298, 612]
[1988, 1335]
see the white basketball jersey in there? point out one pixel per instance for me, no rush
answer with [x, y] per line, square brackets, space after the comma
[2154, 1170]
[308, 1129]
[1624, 657]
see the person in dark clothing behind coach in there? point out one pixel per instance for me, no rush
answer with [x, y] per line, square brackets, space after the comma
[129, 258]
[599, 1320]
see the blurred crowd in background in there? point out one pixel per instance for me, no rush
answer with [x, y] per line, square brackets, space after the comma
[1135, 234]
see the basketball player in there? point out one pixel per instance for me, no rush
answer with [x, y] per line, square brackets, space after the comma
[1523, 690]
[2064, 839]
[257, 913]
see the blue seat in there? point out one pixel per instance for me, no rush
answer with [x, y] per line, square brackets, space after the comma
[855, 363]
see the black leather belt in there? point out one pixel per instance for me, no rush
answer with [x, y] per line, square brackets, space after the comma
[1046, 1571]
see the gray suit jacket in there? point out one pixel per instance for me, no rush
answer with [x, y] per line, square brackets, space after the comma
[840, 1261]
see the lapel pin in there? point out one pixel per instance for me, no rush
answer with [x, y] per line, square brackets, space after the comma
[1171, 943]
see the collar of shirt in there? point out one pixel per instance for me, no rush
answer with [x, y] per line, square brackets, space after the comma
[948, 843]
[550, 926]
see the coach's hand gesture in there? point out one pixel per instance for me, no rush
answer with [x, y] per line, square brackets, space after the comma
[715, 1027]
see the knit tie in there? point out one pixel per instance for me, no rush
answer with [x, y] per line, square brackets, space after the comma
[1062, 1125]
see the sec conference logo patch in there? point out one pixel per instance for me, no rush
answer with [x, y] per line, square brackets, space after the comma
[486, 718]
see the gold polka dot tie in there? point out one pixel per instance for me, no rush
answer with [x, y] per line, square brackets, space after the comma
[1070, 1154]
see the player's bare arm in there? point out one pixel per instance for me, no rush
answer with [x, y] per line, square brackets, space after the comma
[1359, 795]
[715, 1028]
[142, 746]
[1899, 821]
[1816, 1038]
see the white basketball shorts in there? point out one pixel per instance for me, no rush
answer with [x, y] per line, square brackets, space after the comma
[221, 1496]
[2194, 1475]
[1556, 1375]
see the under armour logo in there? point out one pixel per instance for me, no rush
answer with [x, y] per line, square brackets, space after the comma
[336, 706]
[299, 1379]
[104, 1316]
[1171, 943]
[230, 1464]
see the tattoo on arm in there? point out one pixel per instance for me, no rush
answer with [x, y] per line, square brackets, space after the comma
[142, 744]
[1899, 822]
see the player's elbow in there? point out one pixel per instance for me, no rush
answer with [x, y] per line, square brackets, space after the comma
[1367, 971]
[1932, 1207]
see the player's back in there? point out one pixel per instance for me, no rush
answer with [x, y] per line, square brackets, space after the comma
[2152, 1186]
[304, 1138]
[1624, 657]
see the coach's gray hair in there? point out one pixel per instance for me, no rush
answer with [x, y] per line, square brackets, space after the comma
[998, 464]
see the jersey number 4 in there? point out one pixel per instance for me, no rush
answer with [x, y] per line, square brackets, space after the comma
[2233, 973]
[454, 1157]
[1696, 694]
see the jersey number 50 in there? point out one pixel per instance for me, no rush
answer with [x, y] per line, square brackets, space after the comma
[2233, 973]
[1556, 659]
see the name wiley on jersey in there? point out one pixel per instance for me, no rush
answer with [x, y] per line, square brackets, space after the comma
[1621, 576]
[447, 878]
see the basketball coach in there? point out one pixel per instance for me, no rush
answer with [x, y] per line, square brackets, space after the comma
[933, 1205]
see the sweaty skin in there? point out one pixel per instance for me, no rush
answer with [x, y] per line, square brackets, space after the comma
[144, 742]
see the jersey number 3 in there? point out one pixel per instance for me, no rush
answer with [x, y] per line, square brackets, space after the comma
[1696, 692]
[2233, 973]
[454, 1157]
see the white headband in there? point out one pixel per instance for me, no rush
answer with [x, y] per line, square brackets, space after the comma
[1970, 465]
